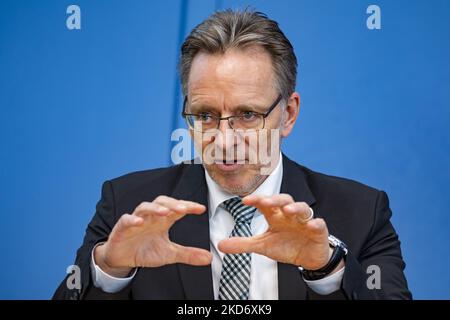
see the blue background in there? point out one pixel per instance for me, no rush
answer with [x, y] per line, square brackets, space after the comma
[78, 107]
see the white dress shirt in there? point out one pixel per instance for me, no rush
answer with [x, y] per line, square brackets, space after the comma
[264, 271]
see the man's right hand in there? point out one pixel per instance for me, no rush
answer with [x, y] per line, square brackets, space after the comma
[142, 239]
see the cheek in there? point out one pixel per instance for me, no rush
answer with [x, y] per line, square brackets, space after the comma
[208, 146]
[201, 141]
[267, 140]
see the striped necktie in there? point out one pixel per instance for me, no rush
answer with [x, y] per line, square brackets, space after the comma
[235, 275]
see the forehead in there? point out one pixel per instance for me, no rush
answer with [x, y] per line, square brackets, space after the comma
[237, 73]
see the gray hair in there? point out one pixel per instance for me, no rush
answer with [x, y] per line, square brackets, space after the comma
[239, 29]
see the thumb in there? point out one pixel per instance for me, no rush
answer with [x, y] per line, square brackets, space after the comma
[237, 245]
[192, 256]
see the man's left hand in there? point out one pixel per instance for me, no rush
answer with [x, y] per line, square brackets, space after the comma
[289, 238]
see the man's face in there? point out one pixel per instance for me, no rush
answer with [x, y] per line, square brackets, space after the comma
[230, 84]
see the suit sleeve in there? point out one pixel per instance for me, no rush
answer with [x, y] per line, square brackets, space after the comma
[97, 231]
[381, 252]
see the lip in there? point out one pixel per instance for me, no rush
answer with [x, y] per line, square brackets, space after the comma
[228, 167]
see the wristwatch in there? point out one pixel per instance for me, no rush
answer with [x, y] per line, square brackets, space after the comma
[340, 250]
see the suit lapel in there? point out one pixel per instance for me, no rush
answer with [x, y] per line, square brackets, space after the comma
[290, 283]
[193, 231]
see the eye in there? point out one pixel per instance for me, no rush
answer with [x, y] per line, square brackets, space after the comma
[248, 115]
[205, 117]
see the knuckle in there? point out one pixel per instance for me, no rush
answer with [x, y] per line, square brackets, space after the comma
[303, 206]
[146, 207]
[161, 198]
[318, 224]
[142, 206]
[297, 206]
[321, 222]
[124, 219]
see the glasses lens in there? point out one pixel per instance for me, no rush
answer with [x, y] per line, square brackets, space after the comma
[247, 122]
[201, 122]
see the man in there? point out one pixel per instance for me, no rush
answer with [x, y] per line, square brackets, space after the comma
[226, 229]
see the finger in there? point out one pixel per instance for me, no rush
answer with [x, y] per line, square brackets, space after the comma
[128, 221]
[180, 206]
[299, 211]
[268, 205]
[256, 201]
[150, 208]
[318, 226]
[278, 200]
[192, 256]
[252, 199]
[237, 245]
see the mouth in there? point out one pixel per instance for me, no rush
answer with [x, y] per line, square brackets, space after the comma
[230, 165]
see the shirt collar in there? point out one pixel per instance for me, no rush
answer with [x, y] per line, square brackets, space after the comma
[270, 186]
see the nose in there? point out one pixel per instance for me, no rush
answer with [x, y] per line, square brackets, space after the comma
[225, 139]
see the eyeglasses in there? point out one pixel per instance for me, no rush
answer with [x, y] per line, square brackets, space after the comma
[246, 120]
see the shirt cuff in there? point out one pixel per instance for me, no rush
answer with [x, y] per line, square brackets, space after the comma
[328, 284]
[106, 282]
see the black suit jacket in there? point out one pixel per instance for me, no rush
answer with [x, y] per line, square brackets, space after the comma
[355, 213]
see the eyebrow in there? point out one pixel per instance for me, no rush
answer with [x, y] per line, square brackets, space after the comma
[238, 108]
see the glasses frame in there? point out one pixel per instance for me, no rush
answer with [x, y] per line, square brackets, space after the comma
[219, 119]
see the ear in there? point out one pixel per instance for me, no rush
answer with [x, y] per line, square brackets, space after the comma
[290, 114]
